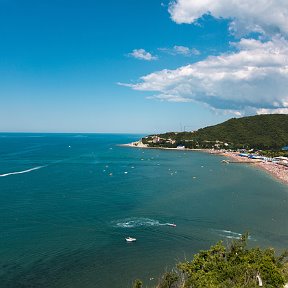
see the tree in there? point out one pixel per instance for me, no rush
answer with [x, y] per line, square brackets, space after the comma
[227, 267]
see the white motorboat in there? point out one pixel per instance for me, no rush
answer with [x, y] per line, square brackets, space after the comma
[130, 239]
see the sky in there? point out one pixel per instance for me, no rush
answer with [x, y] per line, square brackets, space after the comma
[140, 66]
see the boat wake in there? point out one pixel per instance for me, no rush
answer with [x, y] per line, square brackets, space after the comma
[139, 222]
[21, 172]
[230, 234]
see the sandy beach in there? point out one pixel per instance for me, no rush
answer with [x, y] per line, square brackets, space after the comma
[278, 171]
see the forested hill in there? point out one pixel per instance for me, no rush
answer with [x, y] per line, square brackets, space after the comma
[260, 132]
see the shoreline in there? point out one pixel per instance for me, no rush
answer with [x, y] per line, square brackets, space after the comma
[143, 146]
[277, 171]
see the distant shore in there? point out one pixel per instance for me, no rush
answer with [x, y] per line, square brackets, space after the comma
[144, 146]
[278, 171]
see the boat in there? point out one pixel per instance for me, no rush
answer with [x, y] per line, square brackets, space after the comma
[171, 224]
[130, 239]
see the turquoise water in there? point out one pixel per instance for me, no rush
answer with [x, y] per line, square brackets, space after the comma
[64, 223]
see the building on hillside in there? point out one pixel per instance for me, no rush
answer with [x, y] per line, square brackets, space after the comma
[155, 139]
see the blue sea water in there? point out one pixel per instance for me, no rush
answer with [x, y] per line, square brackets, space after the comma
[67, 202]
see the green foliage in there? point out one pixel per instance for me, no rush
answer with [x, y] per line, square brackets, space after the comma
[234, 266]
[272, 154]
[168, 280]
[265, 132]
[137, 284]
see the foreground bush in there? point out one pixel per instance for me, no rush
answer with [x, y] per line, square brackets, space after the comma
[235, 266]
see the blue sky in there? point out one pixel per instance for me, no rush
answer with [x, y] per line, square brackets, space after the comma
[78, 66]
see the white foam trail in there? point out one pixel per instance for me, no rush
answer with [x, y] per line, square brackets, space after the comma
[138, 222]
[230, 234]
[21, 172]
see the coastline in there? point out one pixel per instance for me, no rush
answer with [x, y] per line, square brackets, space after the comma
[144, 146]
[277, 171]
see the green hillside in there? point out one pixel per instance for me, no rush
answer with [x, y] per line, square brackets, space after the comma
[259, 132]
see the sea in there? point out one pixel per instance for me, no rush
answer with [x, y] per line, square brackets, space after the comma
[68, 201]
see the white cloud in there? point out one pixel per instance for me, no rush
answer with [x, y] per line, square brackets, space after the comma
[265, 16]
[272, 111]
[170, 98]
[142, 55]
[180, 50]
[255, 78]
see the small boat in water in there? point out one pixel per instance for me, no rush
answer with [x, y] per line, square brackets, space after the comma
[130, 239]
[171, 224]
